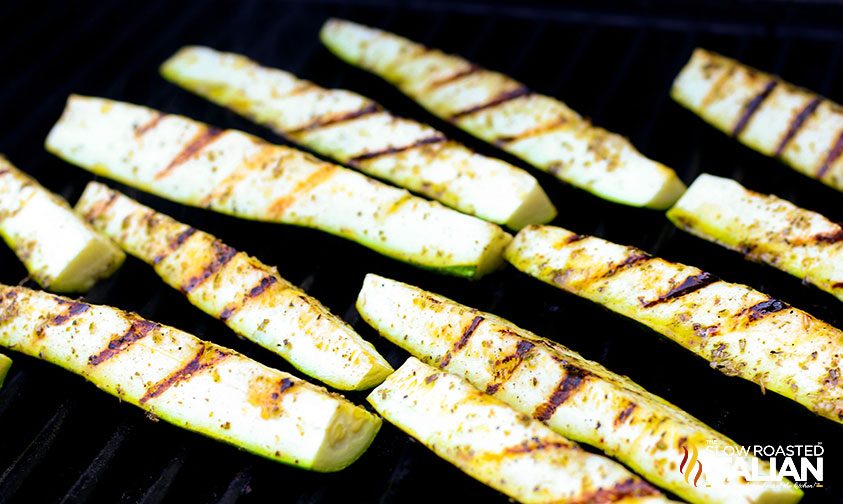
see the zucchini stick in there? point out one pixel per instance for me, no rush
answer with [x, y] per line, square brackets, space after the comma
[61, 252]
[575, 397]
[358, 132]
[765, 229]
[539, 129]
[769, 115]
[494, 444]
[237, 174]
[5, 364]
[740, 331]
[188, 382]
[248, 296]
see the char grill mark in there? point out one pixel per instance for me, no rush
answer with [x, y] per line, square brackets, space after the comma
[506, 367]
[321, 175]
[752, 106]
[627, 489]
[256, 291]
[222, 255]
[534, 445]
[500, 99]
[153, 122]
[574, 378]
[101, 207]
[832, 156]
[472, 69]
[764, 308]
[538, 130]
[462, 342]
[73, 308]
[796, 124]
[206, 358]
[174, 245]
[202, 139]
[395, 150]
[631, 260]
[324, 121]
[691, 284]
[139, 329]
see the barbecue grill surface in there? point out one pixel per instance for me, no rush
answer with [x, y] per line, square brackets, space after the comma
[62, 440]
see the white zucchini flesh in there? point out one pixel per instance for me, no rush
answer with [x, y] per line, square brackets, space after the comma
[188, 382]
[61, 252]
[248, 296]
[764, 228]
[769, 115]
[739, 330]
[358, 132]
[237, 174]
[538, 129]
[5, 364]
[498, 446]
[577, 398]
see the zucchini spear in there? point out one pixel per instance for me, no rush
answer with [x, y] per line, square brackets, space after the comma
[237, 174]
[188, 382]
[248, 296]
[496, 445]
[358, 132]
[61, 252]
[765, 229]
[575, 397]
[5, 364]
[740, 331]
[762, 111]
[539, 129]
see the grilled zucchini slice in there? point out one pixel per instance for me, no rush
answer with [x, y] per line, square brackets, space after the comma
[61, 252]
[188, 382]
[237, 174]
[538, 129]
[494, 444]
[765, 229]
[358, 132]
[740, 331]
[769, 115]
[248, 296]
[575, 397]
[5, 364]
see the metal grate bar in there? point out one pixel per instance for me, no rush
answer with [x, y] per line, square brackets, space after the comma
[619, 76]
[238, 487]
[87, 481]
[159, 489]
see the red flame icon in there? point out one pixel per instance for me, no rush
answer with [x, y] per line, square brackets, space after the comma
[690, 465]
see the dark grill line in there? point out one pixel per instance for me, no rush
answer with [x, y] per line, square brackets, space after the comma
[635, 258]
[574, 378]
[796, 124]
[101, 207]
[691, 284]
[73, 308]
[174, 245]
[506, 373]
[143, 128]
[222, 254]
[764, 308]
[199, 142]
[395, 150]
[323, 121]
[462, 342]
[752, 106]
[538, 130]
[255, 291]
[453, 77]
[138, 330]
[205, 358]
[832, 156]
[494, 102]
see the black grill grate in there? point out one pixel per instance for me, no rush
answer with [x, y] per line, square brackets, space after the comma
[63, 441]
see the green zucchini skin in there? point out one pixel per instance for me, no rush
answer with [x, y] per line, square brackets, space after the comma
[183, 380]
[739, 330]
[539, 129]
[765, 113]
[358, 132]
[248, 296]
[5, 364]
[234, 173]
[577, 398]
[764, 228]
[60, 251]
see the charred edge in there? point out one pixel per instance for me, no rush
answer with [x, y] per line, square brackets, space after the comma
[691, 284]
[633, 259]
[832, 156]
[533, 445]
[462, 342]
[766, 307]
[395, 150]
[222, 254]
[630, 488]
[139, 329]
[198, 363]
[199, 142]
[752, 106]
[574, 377]
[521, 350]
[623, 415]
[174, 245]
[531, 132]
[837, 285]
[830, 237]
[575, 238]
[322, 122]
[796, 124]
[143, 128]
[472, 69]
[494, 102]
[74, 308]
[101, 207]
